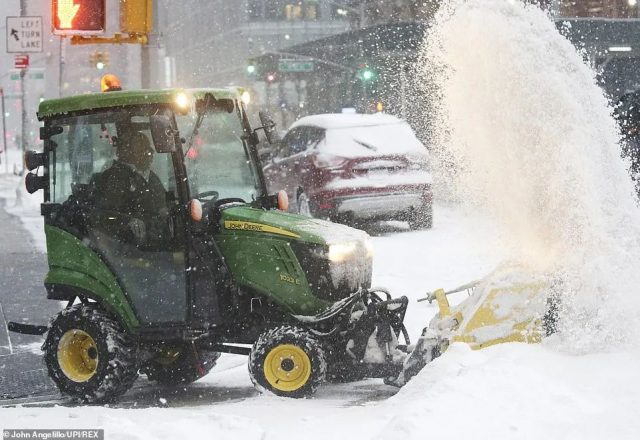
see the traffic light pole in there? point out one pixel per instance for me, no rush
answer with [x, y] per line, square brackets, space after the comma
[4, 134]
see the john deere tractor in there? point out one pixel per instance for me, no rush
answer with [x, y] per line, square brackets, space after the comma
[213, 265]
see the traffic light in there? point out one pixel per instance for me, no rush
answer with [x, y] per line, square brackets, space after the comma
[136, 16]
[99, 60]
[78, 17]
[366, 74]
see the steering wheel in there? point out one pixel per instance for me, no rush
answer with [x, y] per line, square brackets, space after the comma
[213, 194]
[226, 200]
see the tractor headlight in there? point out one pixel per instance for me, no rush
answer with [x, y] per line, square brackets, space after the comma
[182, 101]
[368, 246]
[340, 252]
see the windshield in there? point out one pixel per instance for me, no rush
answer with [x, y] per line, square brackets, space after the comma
[217, 159]
[372, 140]
[89, 144]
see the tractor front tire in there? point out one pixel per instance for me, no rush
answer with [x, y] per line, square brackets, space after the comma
[183, 369]
[288, 361]
[89, 356]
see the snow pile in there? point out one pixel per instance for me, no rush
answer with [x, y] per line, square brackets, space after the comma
[527, 137]
[518, 391]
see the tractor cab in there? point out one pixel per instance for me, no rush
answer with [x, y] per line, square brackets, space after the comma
[124, 177]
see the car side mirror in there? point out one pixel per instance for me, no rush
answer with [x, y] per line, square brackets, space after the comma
[269, 126]
[163, 133]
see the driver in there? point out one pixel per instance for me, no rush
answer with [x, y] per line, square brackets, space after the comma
[132, 190]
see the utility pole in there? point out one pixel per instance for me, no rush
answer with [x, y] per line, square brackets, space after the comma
[61, 69]
[149, 53]
[4, 133]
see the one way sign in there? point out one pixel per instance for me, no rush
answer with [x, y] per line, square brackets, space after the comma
[24, 34]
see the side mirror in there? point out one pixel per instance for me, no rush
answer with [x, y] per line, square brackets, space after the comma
[33, 159]
[33, 182]
[163, 133]
[265, 155]
[268, 125]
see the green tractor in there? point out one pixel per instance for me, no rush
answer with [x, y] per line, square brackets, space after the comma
[168, 250]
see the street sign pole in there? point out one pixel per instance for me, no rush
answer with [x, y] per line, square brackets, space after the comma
[23, 99]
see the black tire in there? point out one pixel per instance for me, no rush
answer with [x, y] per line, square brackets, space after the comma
[89, 356]
[285, 351]
[421, 218]
[182, 370]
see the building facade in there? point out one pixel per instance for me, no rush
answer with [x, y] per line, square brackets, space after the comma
[210, 42]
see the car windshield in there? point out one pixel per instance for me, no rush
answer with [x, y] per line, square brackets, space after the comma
[217, 159]
[372, 140]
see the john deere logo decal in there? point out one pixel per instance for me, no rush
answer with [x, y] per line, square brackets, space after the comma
[257, 227]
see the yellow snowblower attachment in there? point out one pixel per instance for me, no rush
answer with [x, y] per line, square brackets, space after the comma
[499, 314]
[507, 306]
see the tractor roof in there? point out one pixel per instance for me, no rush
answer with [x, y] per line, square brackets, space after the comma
[93, 101]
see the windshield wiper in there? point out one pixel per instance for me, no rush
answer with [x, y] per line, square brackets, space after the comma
[366, 145]
[198, 123]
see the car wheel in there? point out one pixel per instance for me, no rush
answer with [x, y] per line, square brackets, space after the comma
[421, 218]
[304, 205]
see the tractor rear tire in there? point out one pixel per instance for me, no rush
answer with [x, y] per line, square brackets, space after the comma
[89, 356]
[288, 361]
[183, 370]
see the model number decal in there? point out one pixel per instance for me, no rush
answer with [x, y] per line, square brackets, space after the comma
[289, 279]
[257, 227]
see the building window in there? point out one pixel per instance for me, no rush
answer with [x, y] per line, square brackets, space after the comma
[255, 10]
[293, 12]
[283, 10]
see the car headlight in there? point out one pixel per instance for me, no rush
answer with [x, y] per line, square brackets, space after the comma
[340, 252]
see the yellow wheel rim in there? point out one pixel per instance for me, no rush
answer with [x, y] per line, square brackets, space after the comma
[78, 355]
[287, 367]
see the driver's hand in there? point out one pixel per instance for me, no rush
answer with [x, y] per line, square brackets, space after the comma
[138, 229]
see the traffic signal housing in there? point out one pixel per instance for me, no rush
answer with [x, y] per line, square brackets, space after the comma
[136, 16]
[78, 17]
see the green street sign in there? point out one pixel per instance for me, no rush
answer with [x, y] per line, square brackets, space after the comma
[289, 66]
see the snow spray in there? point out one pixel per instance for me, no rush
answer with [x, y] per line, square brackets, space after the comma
[524, 134]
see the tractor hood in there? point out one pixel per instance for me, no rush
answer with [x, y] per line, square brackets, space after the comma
[297, 227]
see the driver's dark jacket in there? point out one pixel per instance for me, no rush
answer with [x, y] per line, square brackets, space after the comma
[123, 194]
